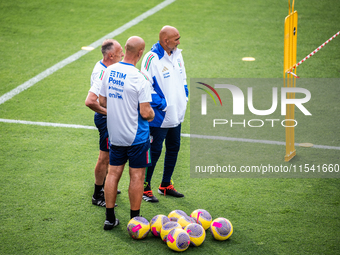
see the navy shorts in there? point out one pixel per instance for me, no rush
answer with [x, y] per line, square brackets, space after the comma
[100, 121]
[138, 155]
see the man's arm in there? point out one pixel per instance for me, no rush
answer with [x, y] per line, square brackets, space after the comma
[92, 103]
[158, 98]
[148, 69]
[186, 91]
[146, 111]
[102, 101]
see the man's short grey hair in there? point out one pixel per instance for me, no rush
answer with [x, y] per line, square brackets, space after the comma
[107, 46]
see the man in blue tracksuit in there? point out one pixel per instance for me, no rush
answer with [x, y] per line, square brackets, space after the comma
[164, 66]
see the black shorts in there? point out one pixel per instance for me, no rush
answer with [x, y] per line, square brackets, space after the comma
[100, 121]
[138, 155]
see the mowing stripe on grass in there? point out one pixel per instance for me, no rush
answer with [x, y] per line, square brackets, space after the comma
[81, 53]
[233, 139]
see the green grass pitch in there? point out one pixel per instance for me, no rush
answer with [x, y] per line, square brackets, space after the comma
[47, 172]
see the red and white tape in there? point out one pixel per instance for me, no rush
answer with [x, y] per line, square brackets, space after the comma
[311, 54]
[293, 74]
[317, 49]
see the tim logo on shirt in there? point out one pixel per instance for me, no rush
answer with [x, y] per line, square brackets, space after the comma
[117, 78]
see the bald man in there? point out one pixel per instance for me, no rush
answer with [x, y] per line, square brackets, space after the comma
[112, 53]
[126, 94]
[164, 65]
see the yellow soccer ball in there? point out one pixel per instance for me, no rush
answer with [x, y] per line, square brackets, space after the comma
[176, 214]
[221, 229]
[178, 239]
[202, 217]
[138, 227]
[196, 233]
[167, 227]
[186, 220]
[156, 224]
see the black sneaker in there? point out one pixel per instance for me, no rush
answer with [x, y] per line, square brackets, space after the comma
[169, 190]
[108, 225]
[149, 197]
[100, 201]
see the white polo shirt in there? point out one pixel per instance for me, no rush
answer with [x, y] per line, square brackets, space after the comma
[125, 87]
[97, 77]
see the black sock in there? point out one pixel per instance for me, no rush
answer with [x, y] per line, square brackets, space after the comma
[97, 189]
[147, 186]
[134, 213]
[165, 184]
[110, 215]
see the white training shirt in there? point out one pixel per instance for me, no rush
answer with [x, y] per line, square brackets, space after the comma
[125, 87]
[97, 77]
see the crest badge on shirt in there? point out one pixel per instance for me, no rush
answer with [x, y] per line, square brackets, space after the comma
[166, 73]
[179, 65]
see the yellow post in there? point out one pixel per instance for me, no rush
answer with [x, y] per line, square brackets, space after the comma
[289, 60]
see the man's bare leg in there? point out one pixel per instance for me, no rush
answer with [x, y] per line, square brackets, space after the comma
[136, 189]
[110, 191]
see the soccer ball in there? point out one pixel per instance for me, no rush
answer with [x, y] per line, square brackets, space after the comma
[221, 229]
[178, 239]
[196, 233]
[186, 220]
[202, 217]
[167, 227]
[138, 227]
[156, 224]
[176, 214]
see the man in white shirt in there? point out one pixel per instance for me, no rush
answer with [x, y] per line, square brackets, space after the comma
[164, 65]
[112, 53]
[126, 94]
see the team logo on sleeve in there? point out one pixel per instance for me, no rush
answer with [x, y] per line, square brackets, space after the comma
[148, 62]
[145, 76]
[101, 75]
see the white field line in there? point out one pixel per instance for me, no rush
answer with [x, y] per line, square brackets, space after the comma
[254, 141]
[81, 53]
[222, 138]
[47, 124]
